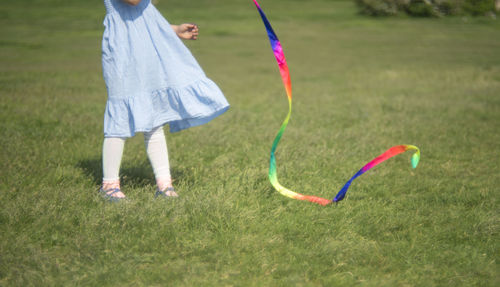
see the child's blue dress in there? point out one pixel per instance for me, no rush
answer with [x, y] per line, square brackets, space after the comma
[151, 77]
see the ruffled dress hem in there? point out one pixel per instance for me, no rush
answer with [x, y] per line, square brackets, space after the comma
[180, 107]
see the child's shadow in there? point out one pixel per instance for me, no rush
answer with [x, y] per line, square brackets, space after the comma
[139, 175]
[136, 176]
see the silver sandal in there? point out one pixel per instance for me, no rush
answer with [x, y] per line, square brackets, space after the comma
[164, 193]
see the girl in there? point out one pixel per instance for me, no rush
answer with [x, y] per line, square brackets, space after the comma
[152, 79]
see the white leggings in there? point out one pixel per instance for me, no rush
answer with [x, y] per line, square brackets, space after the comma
[156, 148]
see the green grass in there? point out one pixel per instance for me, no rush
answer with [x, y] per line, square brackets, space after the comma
[361, 85]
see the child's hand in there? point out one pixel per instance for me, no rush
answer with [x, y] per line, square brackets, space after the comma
[186, 31]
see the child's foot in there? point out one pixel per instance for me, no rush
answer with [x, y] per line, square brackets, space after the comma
[167, 192]
[113, 195]
[164, 187]
[111, 191]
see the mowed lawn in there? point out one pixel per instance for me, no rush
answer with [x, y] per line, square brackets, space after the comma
[361, 85]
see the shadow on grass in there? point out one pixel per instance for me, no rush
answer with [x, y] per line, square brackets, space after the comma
[130, 175]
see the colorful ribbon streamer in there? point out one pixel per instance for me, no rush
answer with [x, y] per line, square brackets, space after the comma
[285, 76]
[395, 150]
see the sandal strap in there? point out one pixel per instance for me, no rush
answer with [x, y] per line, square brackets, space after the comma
[115, 190]
[165, 190]
[163, 193]
[109, 196]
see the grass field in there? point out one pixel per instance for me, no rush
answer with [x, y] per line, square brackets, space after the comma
[361, 85]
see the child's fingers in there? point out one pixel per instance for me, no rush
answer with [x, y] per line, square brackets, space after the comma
[194, 31]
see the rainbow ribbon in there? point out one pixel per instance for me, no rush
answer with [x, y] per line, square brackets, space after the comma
[273, 176]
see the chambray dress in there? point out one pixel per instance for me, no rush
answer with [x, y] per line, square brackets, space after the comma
[151, 77]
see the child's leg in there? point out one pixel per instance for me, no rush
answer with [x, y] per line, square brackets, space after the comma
[112, 151]
[156, 148]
